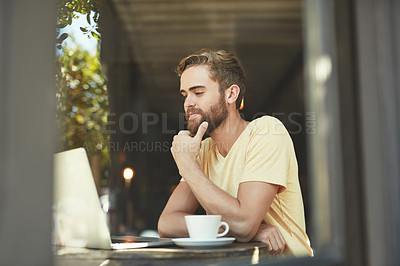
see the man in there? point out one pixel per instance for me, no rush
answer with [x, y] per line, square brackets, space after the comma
[245, 171]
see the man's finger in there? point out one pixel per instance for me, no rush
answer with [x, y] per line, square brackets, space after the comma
[274, 246]
[279, 243]
[184, 132]
[202, 130]
[282, 238]
[270, 248]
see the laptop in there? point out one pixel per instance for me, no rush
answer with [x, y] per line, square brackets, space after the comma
[79, 220]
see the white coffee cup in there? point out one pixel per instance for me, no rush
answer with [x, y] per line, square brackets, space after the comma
[205, 226]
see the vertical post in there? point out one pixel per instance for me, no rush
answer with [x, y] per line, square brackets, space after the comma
[27, 134]
[378, 55]
[325, 150]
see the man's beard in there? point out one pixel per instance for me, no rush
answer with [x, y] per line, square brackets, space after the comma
[215, 116]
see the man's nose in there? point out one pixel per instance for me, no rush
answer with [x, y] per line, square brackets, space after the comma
[189, 102]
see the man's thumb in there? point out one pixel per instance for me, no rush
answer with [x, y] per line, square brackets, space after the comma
[202, 130]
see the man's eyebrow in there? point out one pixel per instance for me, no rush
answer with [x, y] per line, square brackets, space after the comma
[192, 88]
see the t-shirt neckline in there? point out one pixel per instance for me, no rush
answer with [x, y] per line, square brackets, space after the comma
[219, 155]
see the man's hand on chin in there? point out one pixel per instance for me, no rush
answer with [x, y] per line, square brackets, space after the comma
[185, 147]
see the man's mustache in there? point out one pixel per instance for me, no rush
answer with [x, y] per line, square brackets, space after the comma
[193, 111]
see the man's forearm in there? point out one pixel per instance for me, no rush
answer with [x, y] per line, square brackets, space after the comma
[173, 225]
[216, 201]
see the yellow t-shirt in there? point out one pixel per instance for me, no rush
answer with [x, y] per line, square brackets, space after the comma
[263, 152]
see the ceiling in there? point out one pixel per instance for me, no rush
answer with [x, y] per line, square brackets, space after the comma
[265, 34]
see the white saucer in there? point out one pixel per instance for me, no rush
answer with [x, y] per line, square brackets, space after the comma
[188, 242]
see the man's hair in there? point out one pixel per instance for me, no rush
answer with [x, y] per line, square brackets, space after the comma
[224, 67]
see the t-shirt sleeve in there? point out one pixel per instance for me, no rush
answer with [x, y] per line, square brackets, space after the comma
[268, 154]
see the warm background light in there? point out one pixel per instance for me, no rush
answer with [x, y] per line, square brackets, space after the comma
[128, 173]
[242, 104]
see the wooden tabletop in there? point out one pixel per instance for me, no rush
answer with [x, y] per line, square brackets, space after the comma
[174, 255]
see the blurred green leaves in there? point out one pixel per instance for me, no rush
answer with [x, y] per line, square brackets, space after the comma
[70, 9]
[82, 103]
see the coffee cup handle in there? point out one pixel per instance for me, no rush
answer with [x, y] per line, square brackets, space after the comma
[226, 229]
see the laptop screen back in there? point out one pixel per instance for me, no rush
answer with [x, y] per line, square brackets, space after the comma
[79, 220]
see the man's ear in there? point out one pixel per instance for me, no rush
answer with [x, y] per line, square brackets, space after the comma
[232, 93]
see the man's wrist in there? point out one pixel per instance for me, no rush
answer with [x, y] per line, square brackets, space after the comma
[189, 167]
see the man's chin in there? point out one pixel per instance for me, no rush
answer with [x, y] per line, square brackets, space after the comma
[193, 125]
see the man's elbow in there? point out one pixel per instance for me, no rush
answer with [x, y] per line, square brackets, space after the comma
[246, 232]
[161, 234]
[162, 231]
[245, 237]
